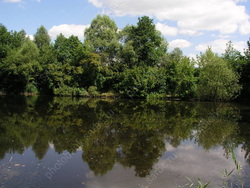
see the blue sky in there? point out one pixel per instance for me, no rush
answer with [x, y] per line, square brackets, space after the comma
[192, 25]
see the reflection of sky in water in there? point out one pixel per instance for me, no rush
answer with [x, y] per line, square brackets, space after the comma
[189, 161]
[172, 170]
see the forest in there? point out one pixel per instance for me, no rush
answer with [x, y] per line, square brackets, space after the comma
[130, 63]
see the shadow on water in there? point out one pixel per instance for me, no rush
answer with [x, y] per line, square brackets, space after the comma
[132, 133]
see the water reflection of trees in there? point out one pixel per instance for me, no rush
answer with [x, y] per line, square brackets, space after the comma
[132, 133]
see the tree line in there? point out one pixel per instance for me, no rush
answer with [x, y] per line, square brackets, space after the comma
[133, 63]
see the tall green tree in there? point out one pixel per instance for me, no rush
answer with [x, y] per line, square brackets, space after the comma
[173, 58]
[128, 55]
[10, 40]
[148, 43]
[234, 58]
[181, 79]
[4, 42]
[241, 65]
[103, 36]
[47, 60]
[95, 73]
[68, 71]
[17, 39]
[62, 50]
[4, 49]
[245, 75]
[217, 80]
[69, 50]
[42, 38]
[20, 69]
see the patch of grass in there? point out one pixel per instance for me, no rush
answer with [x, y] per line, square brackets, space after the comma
[200, 184]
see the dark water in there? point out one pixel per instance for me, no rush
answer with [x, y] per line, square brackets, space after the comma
[65, 142]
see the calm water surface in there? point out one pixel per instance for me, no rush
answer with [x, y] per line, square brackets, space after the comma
[65, 142]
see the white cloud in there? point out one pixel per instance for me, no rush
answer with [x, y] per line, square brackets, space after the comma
[221, 36]
[174, 31]
[68, 30]
[245, 28]
[219, 46]
[179, 43]
[225, 16]
[31, 37]
[12, 1]
[167, 30]
[96, 3]
[190, 32]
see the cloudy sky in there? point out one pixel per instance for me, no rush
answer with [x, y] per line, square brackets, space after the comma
[192, 25]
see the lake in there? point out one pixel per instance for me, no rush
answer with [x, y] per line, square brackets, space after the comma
[94, 143]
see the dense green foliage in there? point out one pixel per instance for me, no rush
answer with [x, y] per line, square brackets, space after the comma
[181, 80]
[133, 62]
[147, 42]
[20, 69]
[141, 81]
[216, 81]
[102, 35]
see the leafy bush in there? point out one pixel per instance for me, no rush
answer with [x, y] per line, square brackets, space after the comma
[92, 90]
[153, 96]
[68, 91]
[85, 93]
[217, 81]
[139, 82]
